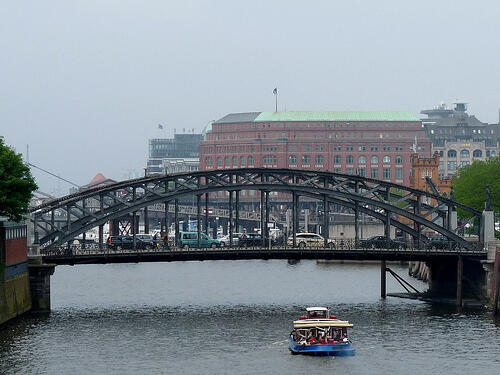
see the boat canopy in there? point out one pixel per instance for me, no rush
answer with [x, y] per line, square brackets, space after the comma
[308, 309]
[312, 323]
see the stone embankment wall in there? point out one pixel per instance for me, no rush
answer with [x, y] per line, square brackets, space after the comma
[15, 296]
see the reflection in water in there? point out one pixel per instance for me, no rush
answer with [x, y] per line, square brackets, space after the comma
[235, 316]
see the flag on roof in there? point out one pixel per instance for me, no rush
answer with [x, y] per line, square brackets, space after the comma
[160, 126]
[275, 91]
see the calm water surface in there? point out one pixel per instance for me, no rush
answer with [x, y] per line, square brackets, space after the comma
[234, 317]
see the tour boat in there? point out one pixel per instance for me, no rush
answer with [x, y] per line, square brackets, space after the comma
[319, 333]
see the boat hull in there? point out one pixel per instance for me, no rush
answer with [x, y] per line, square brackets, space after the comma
[322, 349]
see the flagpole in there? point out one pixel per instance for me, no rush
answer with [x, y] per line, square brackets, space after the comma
[275, 92]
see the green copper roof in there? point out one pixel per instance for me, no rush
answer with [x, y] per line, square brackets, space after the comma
[335, 116]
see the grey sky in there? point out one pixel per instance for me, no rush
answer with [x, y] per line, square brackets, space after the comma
[85, 83]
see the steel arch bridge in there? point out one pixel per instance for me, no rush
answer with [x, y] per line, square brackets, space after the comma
[382, 200]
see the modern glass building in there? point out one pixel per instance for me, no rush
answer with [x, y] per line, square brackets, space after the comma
[173, 155]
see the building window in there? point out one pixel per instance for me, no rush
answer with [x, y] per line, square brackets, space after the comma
[242, 160]
[208, 161]
[477, 153]
[387, 173]
[319, 159]
[349, 171]
[362, 172]
[441, 166]
[292, 159]
[362, 160]
[399, 173]
[250, 160]
[337, 159]
[306, 160]
[219, 161]
[270, 160]
[426, 172]
[452, 165]
[374, 160]
[349, 159]
[452, 154]
[464, 154]
[399, 160]
[226, 160]
[375, 173]
[387, 159]
[235, 160]
[464, 163]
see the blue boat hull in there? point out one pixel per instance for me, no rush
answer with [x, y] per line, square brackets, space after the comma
[322, 349]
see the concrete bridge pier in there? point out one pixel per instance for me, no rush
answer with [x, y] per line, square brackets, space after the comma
[383, 280]
[460, 272]
[491, 269]
[39, 277]
[457, 278]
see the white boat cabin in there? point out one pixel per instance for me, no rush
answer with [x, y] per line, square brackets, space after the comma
[318, 313]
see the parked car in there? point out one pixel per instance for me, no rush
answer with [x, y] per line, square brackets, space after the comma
[440, 243]
[190, 239]
[310, 240]
[119, 242]
[250, 239]
[145, 241]
[224, 241]
[381, 242]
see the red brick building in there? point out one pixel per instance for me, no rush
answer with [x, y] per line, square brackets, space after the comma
[372, 144]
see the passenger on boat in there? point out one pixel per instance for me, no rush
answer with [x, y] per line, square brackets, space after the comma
[322, 340]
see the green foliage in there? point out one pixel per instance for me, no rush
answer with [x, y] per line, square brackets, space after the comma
[16, 184]
[470, 184]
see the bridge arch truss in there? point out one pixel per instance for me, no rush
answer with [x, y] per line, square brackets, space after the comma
[382, 200]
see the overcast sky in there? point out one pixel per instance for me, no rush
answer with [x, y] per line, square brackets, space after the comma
[86, 83]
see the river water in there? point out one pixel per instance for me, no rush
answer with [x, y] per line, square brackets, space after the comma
[234, 317]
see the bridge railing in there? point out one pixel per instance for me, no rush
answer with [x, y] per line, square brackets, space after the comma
[340, 246]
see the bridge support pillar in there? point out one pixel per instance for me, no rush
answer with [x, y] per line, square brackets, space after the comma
[206, 214]
[39, 276]
[452, 221]
[215, 228]
[262, 216]
[326, 224]
[165, 220]
[133, 229]
[266, 228]
[295, 217]
[146, 220]
[237, 209]
[68, 224]
[487, 229]
[101, 227]
[198, 218]
[356, 217]
[176, 219]
[231, 218]
[383, 284]
[460, 271]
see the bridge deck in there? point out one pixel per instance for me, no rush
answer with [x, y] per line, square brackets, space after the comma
[135, 256]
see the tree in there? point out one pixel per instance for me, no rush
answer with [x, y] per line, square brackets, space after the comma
[16, 184]
[470, 184]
